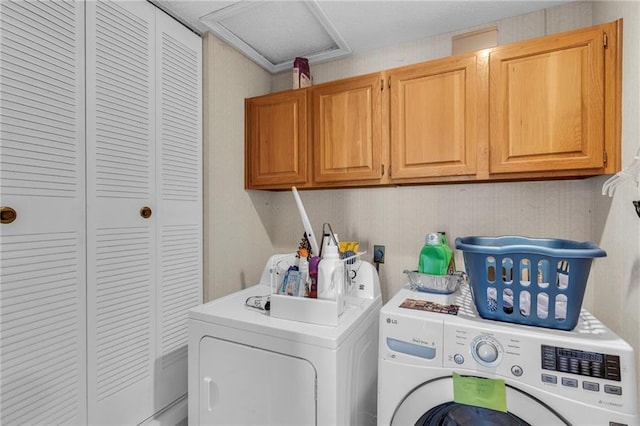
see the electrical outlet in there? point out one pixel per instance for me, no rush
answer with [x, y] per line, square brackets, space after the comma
[378, 254]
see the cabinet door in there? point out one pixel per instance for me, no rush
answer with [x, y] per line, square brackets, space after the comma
[547, 103]
[42, 252]
[276, 140]
[347, 130]
[121, 238]
[434, 108]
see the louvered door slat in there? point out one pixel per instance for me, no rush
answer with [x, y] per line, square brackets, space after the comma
[42, 253]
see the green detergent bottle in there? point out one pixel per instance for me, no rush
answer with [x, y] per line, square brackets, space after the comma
[451, 266]
[433, 256]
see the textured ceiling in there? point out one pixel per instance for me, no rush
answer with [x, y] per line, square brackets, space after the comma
[273, 33]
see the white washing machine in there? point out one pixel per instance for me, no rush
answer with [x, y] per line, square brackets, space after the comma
[247, 367]
[436, 354]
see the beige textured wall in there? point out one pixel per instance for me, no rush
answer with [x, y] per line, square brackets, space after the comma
[236, 222]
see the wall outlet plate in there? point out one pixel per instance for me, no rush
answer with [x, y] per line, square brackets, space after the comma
[378, 254]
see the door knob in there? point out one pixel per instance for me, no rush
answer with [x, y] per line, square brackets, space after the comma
[145, 212]
[7, 215]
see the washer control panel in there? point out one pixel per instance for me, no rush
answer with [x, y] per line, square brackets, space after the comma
[583, 363]
[558, 361]
[559, 364]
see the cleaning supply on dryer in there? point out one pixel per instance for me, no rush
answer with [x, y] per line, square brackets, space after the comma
[291, 282]
[330, 270]
[303, 274]
[313, 277]
[433, 256]
[313, 244]
[259, 302]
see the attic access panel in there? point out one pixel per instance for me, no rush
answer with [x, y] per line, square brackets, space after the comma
[274, 33]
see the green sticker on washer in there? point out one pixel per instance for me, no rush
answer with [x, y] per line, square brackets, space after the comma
[480, 392]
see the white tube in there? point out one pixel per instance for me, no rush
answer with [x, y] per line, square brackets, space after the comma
[305, 222]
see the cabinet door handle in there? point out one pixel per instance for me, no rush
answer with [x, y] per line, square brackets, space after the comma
[7, 215]
[146, 212]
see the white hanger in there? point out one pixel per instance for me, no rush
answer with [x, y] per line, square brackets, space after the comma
[632, 171]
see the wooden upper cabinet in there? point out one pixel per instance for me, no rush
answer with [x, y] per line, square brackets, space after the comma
[434, 117]
[276, 140]
[554, 103]
[544, 108]
[347, 130]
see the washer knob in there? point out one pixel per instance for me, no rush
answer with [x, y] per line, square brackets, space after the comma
[487, 351]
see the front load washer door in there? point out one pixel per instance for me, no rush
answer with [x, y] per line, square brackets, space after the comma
[431, 404]
[245, 385]
[451, 413]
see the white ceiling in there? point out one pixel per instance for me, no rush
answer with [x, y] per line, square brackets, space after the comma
[273, 33]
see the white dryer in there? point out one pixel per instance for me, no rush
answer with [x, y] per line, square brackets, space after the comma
[247, 367]
[551, 377]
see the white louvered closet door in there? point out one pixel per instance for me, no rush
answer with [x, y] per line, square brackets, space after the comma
[42, 252]
[179, 173]
[121, 243]
[144, 149]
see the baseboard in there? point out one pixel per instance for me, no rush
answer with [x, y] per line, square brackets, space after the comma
[175, 414]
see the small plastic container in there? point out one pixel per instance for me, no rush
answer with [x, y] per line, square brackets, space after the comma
[443, 284]
[530, 281]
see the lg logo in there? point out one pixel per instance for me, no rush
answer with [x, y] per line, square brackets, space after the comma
[391, 321]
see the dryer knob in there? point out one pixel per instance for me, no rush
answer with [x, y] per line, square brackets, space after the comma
[487, 352]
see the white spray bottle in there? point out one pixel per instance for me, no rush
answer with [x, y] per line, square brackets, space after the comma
[331, 272]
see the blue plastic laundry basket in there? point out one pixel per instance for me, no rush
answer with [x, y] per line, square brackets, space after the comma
[531, 281]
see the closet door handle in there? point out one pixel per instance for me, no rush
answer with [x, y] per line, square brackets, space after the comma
[145, 212]
[7, 215]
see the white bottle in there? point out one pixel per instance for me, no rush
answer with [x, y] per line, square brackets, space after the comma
[330, 273]
[303, 275]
